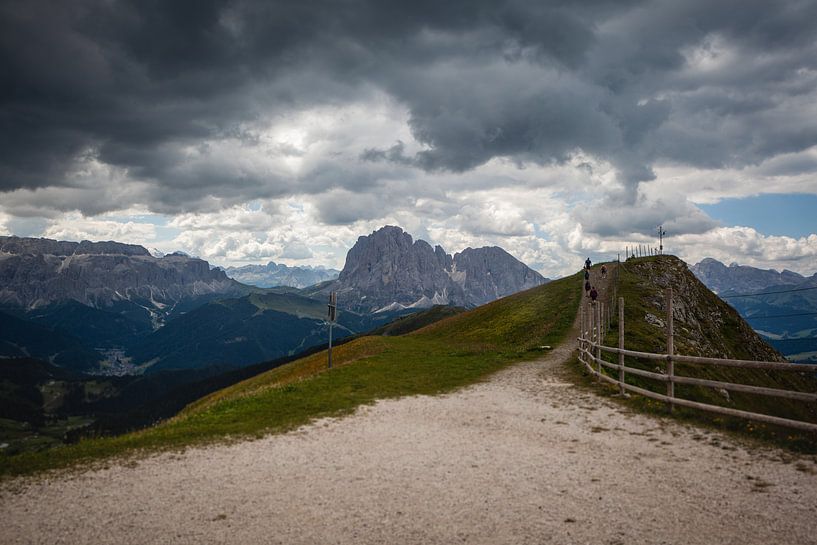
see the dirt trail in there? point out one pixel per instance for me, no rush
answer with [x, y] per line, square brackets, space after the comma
[525, 457]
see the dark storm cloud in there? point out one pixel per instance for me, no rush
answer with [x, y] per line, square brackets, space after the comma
[135, 85]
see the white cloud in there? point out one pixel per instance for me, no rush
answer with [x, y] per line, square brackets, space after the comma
[746, 246]
[248, 217]
[4, 228]
[787, 173]
[76, 227]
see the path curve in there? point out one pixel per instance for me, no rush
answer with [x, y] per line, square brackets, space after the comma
[525, 457]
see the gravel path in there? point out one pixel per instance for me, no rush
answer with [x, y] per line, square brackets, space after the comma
[525, 457]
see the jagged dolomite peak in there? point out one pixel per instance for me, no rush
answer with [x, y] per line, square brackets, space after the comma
[389, 269]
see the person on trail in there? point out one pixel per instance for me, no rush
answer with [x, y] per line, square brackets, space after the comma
[586, 274]
[593, 294]
[587, 264]
[603, 271]
[587, 288]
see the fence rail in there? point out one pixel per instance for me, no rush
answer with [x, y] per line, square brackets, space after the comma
[595, 322]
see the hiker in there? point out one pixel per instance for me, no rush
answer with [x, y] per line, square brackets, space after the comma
[587, 264]
[603, 271]
[594, 294]
[586, 275]
[587, 288]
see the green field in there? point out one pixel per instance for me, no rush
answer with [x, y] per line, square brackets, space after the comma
[438, 358]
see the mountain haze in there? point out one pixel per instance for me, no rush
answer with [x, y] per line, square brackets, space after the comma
[273, 274]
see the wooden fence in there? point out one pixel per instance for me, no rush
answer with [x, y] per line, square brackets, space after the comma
[595, 322]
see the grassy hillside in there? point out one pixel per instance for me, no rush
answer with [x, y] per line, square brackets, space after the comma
[438, 358]
[704, 325]
[241, 331]
[418, 320]
[20, 338]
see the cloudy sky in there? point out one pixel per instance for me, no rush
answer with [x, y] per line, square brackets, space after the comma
[249, 131]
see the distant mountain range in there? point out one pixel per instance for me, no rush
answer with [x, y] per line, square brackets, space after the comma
[741, 278]
[272, 275]
[389, 271]
[126, 278]
[787, 320]
[113, 308]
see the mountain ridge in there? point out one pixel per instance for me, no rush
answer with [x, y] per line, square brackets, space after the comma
[719, 277]
[39, 272]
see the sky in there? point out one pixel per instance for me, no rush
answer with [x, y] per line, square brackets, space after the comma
[250, 131]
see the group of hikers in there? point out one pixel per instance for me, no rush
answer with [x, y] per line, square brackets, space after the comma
[589, 290]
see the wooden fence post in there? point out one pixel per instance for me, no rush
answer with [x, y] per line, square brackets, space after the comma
[581, 332]
[621, 344]
[601, 320]
[670, 350]
[591, 332]
[598, 340]
[611, 308]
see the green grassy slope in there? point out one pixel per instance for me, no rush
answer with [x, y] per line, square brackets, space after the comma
[704, 326]
[440, 357]
[412, 322]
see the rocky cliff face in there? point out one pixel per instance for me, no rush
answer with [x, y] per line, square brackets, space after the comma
[273, 274]
[390, 270]
[37, 272]
[720, 278]
[490, 273]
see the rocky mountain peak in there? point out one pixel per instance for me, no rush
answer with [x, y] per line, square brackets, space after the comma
[388, 268]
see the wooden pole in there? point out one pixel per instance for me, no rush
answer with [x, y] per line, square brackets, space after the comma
[581, 331]
[591, 333]
[610, 310]
[601, 320]
[621, 344]
[598, 338]
[330, 344]
[670, 350]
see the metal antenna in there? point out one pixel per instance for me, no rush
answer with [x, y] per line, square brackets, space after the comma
[661, 234]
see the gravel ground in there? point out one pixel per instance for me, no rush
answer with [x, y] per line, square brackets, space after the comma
[525, 457]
